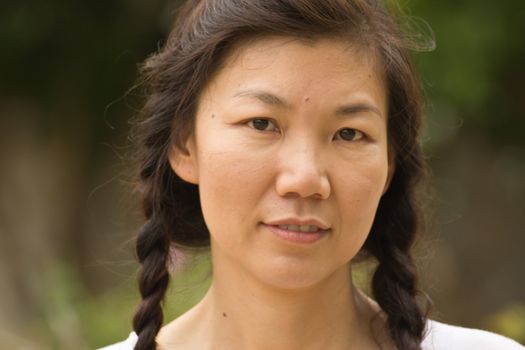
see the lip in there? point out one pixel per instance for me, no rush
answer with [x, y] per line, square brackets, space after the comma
[298, 236]
[298, 221]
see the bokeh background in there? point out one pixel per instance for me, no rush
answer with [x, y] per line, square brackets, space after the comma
[68, 212]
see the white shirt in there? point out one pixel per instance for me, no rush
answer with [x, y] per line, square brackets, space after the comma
[439, 336]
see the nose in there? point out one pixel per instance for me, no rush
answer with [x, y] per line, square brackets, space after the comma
[301, 173]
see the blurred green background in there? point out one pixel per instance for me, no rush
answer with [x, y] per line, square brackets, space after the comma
[68, 214]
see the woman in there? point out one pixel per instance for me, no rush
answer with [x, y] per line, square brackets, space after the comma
[284, 135]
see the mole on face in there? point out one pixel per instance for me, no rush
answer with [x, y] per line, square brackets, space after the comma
[306, 99]
[224, 314]
[213, 116]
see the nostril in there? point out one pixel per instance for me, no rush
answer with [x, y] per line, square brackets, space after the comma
[303, 184]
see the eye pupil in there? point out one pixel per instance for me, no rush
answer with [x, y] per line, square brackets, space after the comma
[260, 124]
[347, 134]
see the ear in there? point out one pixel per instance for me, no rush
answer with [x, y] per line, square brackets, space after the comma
[184, 161]
[391, 171]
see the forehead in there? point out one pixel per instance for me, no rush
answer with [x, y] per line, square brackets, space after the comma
[332, 51]
[324, 68]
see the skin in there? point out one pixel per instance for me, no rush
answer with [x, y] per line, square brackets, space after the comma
[269, 293]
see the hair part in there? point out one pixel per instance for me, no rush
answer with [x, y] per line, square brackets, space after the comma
[205, 33]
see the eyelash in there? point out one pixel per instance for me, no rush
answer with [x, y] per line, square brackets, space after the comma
[358, 133]
[264, 119]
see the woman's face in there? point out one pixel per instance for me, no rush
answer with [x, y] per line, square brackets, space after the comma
[289, 134]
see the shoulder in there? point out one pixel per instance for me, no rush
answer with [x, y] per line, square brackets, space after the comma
[127, 344]
[441, 336]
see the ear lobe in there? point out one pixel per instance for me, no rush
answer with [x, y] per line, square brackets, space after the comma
[183, 162]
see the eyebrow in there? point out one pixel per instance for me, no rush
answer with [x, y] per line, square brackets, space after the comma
[264, 97]
[351, 109]
[275, 101]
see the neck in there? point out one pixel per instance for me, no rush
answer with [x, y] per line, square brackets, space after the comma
[241, 313]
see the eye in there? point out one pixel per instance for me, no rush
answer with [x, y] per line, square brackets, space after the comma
[262, 124]
[348, 134]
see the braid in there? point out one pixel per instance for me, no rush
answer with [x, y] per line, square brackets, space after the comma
[173, 218]
[152, 249]
[152, 252]
[394, 283]
[394, 289]
[397, 221]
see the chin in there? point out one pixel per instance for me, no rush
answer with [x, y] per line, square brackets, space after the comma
[289, 274]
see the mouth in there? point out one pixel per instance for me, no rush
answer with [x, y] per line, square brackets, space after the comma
[301, 234]
[300, 228]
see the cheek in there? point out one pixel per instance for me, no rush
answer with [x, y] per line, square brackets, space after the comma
[231, 184]
[359, 193]
[363, 189]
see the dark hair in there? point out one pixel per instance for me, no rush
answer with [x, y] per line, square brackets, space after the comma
[204, 34]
